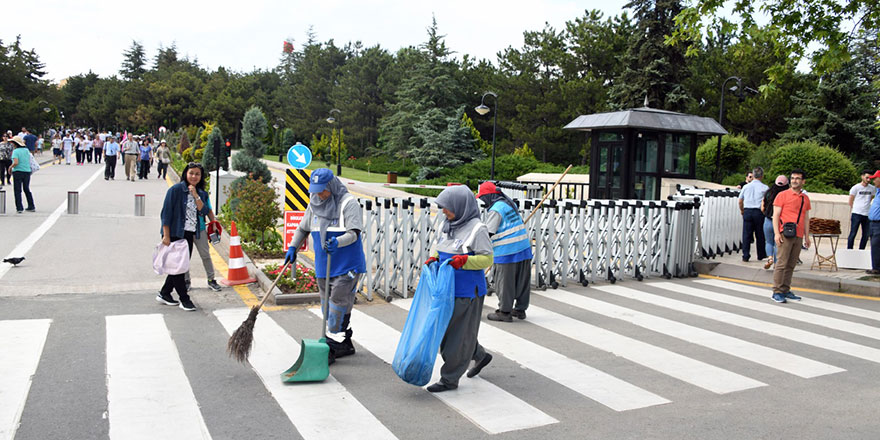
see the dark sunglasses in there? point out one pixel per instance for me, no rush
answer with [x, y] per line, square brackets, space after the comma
[194, 164]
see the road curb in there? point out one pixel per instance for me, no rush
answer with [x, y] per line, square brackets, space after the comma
[798, 280]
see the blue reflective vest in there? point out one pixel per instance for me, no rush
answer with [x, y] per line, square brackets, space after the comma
[511, 242]
[345, 259]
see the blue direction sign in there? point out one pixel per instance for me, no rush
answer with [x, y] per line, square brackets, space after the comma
[299, 156]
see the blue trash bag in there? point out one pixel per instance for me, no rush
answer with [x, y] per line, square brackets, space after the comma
[426, 324]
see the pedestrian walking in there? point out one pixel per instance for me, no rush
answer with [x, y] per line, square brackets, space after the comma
[201, 243]
[38, 146]
[88, 144]
[860, 196]
[30, 140]
[130, 153]
[512, 254]
[791, 223]
[465, 241]
[111, 153]
[57, 149]
[21, 175]
[335, 222]
[98, 147]
[145, 155]
[780, 185]
[184, 203]
[163, 157]
[67, 145]
[6, 149]
[874, 218]
[750, 199]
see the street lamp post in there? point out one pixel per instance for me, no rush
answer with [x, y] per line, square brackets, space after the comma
[332, 120]
[721, 122]
[482, 109]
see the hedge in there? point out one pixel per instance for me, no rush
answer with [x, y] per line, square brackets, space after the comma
[735, 153]
[825, 167]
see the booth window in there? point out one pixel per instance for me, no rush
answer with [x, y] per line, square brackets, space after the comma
[677, 159]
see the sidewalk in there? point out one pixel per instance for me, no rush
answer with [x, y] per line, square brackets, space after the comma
[842, 280]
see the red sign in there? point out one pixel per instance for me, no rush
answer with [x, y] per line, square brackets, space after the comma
[291, 222]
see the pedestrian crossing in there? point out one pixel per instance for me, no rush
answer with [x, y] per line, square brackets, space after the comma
[666, 332]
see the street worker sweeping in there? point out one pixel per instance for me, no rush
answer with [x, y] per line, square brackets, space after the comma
[512, 252]
[465, 242]
[334, 219]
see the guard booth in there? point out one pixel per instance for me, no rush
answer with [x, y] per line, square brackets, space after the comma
[632, 150]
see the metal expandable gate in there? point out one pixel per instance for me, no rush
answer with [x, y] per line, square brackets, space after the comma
[721, 224]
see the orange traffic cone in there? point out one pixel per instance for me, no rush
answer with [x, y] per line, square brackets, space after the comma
[238, 273]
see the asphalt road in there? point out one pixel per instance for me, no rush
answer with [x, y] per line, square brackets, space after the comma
[87, 353]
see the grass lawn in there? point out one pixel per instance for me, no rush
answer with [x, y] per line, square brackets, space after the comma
[351, 173]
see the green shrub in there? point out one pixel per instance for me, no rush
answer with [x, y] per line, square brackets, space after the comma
[735, 153]
[198, 155]
[303, 282]
[822, 164]
[255, 209]
[188, 155]
[524, 151]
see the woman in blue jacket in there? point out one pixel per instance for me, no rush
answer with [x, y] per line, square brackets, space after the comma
[464, 241]
[184, 203]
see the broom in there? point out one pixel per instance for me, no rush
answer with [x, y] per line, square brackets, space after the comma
[242, 339]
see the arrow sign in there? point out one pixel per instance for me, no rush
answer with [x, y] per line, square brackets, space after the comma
[299, 156]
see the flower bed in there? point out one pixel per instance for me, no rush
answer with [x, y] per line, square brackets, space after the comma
[303, 282]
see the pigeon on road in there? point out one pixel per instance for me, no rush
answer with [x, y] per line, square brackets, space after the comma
[14, 260]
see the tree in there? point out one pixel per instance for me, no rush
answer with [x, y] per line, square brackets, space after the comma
[482, 145]
[133, 62]
[654, 71]
[25, 94]
[248, 159]
[359, 94]
[208, 159]
[445, 142]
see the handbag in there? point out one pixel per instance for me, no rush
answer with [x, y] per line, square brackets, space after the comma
[789, 229]
[172, 259]
[35, 166]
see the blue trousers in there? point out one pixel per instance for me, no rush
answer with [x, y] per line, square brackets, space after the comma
[856, 220]
[769, 238]
[753, 224]
[875, 244]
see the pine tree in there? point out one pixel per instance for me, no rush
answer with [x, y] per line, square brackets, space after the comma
[208, 159]
[134, 60]
[253, 130]
[444, 142]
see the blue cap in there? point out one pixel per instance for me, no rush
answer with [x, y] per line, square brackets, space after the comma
[319, 180]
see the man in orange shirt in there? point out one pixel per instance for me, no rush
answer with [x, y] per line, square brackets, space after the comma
[792, 207]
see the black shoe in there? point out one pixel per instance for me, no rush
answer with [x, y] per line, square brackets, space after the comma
[499, 316]
[187, 305]
[31, 209]
[341, 349]
[212, 284]
[440, 387]
[166, 299]
[479, 367]
[519, 314]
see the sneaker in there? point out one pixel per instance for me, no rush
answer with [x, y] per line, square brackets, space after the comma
[166, 299]
[500, 316]
[213, 286]
[31, 210]
[791, 296]
[778, 297]
[479, 367]
[519, 314]
[187, 305]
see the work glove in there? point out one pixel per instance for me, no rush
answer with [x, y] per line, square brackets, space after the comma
[290, 256]
[430, 260]
[331, 245]
[458, 261]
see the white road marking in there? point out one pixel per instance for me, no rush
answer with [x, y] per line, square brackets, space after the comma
[810, 302]
[314, 408]
[489, 407]
[770, 357]
[772, 308]
[778, 330]
[683, 368]
[148, 393]
[21, 346]
[25, 245]
[594, 384]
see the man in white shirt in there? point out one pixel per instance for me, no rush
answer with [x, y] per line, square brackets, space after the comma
[750, 199]
[860, 202]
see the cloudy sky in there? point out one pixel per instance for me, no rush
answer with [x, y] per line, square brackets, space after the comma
[74, 37]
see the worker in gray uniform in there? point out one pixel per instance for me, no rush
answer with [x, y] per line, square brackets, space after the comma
[465, 242]
[512, 252]
[334, 220]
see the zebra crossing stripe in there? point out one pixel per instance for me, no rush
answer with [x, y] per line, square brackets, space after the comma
[771, 308]
[594, 384]
[777, 330]
[683, 368]
[770, 357]
[816, 303]
[146, 384]
[314, 408]
[491, 408]
[20, 349]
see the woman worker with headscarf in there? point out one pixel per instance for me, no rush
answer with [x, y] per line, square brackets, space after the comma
[512, 253]
[335, 221]
[464, 241]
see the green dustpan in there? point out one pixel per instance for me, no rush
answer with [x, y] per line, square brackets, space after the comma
[312, 365]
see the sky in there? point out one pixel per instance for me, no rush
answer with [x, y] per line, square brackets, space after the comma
[73, 37]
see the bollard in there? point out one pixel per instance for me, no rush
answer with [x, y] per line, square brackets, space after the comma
[72, 202]
[2, 202]
[139, 205]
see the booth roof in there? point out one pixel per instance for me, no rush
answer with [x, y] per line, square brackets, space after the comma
[650, 119]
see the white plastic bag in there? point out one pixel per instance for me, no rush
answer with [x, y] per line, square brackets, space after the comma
[172, 259]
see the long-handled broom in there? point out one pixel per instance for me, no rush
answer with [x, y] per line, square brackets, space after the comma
[242, 339]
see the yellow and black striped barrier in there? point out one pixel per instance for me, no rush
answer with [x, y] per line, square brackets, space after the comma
[296, 193]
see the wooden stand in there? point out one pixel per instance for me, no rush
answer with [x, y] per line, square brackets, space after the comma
[825, 261]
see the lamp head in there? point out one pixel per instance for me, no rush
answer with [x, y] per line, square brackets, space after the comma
[331, 119]
[482, 109]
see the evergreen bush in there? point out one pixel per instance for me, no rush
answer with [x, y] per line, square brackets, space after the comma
[735, 153]
[248, 159]
[208, 160]
[825, 167]
[188, 155]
